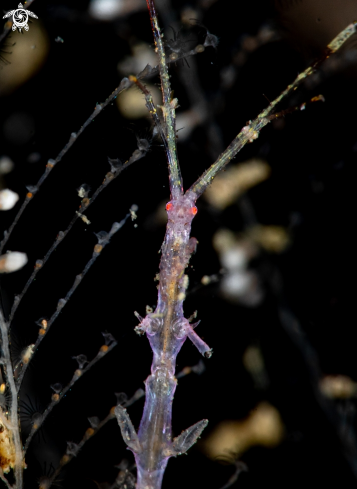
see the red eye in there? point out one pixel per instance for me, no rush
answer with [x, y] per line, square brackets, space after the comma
[168, 206]
[194, 210]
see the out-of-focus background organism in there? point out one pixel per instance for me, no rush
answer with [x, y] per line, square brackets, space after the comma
[273, 280]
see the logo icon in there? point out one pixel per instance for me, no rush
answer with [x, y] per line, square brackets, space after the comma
[20, 18]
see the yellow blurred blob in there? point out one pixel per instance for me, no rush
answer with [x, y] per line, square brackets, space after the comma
[27, 56]
[235, 181]
[338, 387]
[230, 439]
[274, 239]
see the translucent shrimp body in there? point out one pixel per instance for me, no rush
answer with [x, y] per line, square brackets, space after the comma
[166, 330]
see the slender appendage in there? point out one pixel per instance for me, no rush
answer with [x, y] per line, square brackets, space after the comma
[247, 134]
[251, 131]
[168, 107]
[103, 240]
[57, 397]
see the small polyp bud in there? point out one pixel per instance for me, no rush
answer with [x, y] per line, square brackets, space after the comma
[103, 349]
[98, 248]
[83, 190]
[81, 359]
[38, 263]
[89, 432]
[72, 448]
[132, 211]
[211, 40]
[94, 421]
[42, 332]
[2, 388]
[149, 310]
[64, 460]
[32, 189]
[8, 199]
[83, 217]
[85, 202]
[121, 398]
[55, 397]
[199, 368]
[199, 48]
[115, 164]
[78, 279]
[78, 372]
[51, 163]
[108, 338]
[138, 395]
[61, 303]
[37, 420]
[137, 154]
[12, 261]
[56, 387]
[27, 353]
[42, 323]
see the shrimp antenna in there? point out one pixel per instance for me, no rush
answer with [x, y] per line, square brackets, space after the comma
[168, 108]
[251, 131]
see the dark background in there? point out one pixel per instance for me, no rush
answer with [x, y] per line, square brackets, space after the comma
[310, 192]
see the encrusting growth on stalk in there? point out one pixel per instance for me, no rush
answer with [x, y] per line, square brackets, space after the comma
[166, 328]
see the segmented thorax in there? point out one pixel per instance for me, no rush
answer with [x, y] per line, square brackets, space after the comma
[165, 348]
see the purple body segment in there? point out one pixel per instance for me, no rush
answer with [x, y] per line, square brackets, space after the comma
[166, 330]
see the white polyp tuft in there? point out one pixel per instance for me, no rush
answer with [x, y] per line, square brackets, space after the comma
[104, 9]
[12, 261]
[108, 10]
[8, 199]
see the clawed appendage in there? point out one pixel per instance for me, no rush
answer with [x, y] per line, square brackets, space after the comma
[127, 429]
[182, 328]
[179, 445]
[188, 437]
